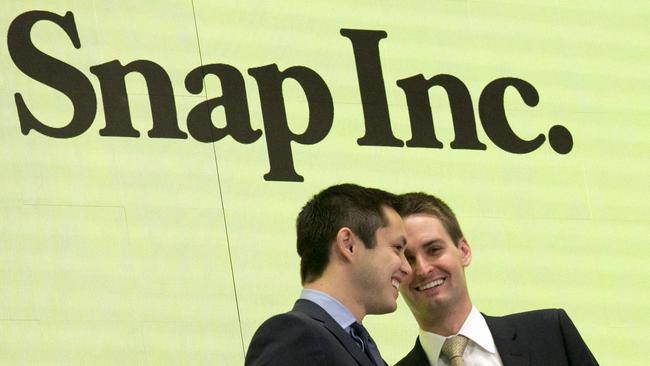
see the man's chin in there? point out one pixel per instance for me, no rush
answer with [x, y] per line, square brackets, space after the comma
[392, 307]
[428, 303]
[385, 309]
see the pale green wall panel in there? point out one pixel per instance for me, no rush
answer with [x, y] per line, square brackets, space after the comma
[161, 251]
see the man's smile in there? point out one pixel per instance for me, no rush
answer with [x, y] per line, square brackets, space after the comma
[431, 284]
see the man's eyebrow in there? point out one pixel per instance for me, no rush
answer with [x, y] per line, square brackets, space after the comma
[430, 243]
[423, 246]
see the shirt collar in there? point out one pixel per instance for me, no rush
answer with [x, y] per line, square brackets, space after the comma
[333, 307]
[475, 328]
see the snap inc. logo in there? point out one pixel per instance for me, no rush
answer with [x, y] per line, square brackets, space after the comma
[365, 46]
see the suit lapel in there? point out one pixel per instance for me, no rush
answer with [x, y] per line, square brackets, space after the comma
[317, 313]
[511, 349]
[416, 357]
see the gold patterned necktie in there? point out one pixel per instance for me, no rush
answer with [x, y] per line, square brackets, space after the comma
[453, 349]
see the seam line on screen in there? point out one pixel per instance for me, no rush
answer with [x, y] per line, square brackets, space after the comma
[223, 209]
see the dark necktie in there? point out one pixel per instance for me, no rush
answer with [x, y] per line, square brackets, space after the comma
[361, 336]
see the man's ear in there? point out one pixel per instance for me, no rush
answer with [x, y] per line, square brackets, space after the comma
[344, 244]
[465, 252]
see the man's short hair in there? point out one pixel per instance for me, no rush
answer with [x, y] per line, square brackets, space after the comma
[422, 203]
[347, 205]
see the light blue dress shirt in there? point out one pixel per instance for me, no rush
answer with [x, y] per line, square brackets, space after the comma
[344, 318]
[335, 309]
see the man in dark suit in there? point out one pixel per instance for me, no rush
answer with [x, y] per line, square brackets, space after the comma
[452, 331]
[351, 245]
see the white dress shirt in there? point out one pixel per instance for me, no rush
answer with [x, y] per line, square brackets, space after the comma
[480, 351]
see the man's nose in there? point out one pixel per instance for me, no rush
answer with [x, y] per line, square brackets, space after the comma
[405, 267]
[421, 267]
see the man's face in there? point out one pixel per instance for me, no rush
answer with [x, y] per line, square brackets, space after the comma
[382, 268]
[437, 283]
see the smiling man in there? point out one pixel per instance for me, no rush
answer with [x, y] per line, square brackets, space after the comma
[351, 245]
[452, 331]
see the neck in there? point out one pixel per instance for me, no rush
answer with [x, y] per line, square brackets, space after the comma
[446, 322]
[341, 294]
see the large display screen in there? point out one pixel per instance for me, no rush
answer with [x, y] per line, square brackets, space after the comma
[154, 156]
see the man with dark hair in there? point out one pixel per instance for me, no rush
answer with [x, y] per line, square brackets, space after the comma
[452, 331]
[351, 245]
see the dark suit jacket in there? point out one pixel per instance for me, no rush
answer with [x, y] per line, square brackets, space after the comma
[307, 335]
[534, 338]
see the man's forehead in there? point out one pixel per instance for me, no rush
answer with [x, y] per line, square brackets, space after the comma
[424, 222]
[386, 210]
[424, 228]
[391, 216]
[394, 225]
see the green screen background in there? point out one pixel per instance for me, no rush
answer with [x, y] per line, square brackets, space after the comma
[140, 251]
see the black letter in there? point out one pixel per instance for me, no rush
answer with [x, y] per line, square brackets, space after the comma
[493, 115]
[416, 89]
[52, 72]
[278, 136]
[233, 100]
[365, 44]
[116, 101]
